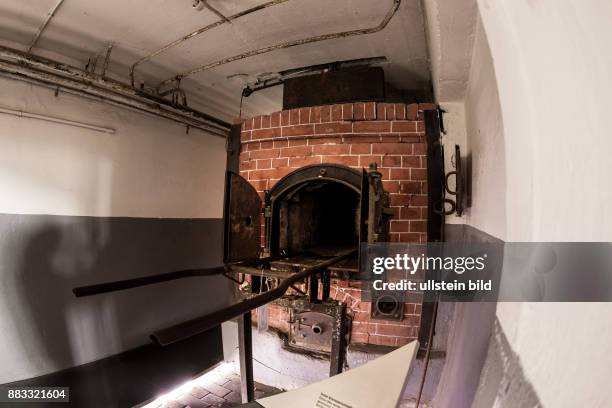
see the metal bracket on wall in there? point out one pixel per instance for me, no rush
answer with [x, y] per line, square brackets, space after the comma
[459, 192]
[441, 113]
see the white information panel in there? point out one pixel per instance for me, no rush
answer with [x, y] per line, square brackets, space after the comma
[379, 383]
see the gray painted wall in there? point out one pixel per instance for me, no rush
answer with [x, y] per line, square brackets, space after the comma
[169, 181]
[468, 338]
[42, 257]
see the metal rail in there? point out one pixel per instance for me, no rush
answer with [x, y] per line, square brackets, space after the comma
[289, 44]
[19, 65]
[199, 31]
[114, 286]
[145, 280]
[241, 310]
[201, 324]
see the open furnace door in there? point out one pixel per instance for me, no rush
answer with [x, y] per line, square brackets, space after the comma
[364, 208]
[374, 210]
[242, 219]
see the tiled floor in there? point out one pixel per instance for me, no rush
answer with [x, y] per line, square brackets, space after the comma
[219, 388]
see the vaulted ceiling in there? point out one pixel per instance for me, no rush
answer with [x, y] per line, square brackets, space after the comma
[81, 29]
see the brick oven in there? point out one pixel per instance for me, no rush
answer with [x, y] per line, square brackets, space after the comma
[308, 166]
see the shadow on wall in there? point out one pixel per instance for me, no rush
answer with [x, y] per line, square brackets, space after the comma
[469, 336]
[503, 382]
[54, 259]
[46, 330]
[42, 310]
[43, 257]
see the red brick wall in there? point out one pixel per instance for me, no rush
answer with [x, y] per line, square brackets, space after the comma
[353, 134]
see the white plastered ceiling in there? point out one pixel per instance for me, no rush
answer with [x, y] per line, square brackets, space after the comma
[82, 28]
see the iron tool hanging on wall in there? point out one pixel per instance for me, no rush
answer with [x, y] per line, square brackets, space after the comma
[458, 205]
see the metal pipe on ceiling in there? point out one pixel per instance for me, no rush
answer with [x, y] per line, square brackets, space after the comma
[50, 15]
[74, 87]
[215, 11]
[20, 65]
[200, 31]
[109, 49]
[289, 44]
[76, 92]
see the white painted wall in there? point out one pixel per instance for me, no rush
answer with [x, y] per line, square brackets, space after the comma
[450, 28]
[536, 103]
[485, 145]
[552, 64]
[536, 106]
[149, 168]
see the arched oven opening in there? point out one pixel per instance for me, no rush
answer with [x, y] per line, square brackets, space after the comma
[320, 217]
[316, 211]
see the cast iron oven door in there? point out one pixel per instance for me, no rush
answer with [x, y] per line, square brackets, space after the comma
[314, 326]
[311, 330]
[242, 219]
